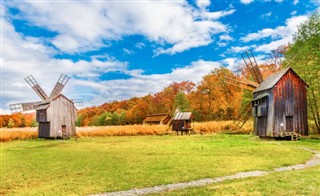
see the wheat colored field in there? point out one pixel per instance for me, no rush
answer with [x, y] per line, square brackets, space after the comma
[9, 134]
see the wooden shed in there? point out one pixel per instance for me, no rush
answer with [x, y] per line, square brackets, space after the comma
[160, 119]
[56, 118]
[280, 105]
[182, 121]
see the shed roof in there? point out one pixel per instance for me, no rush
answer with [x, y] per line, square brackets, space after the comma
[182, 116]
[155, 117]
[272, 80]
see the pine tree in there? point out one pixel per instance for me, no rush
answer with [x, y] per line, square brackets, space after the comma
[11, 123]
[181, 102]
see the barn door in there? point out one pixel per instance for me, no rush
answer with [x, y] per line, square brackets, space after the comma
[64, 130]
[289, 123]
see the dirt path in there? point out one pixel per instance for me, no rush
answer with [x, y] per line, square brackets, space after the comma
[203, 182]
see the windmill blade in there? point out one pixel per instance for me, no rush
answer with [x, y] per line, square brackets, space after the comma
[59, 85]
[22, 107]
[253, 67]
[77, 102]
[247, 84]
[243, 116]
[36, 87]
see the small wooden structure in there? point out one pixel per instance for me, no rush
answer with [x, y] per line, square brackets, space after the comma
[56, 114]
[182, 121]
[57, 118]
[159, 119]
[280, 105]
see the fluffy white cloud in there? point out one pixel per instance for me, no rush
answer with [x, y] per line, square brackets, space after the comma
[279, 32]
[226, 37]
[203, 3]
[295, 2]
[83, 26]
[246, 1]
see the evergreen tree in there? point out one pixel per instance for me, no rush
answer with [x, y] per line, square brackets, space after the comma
[11, 123]
[181, 102]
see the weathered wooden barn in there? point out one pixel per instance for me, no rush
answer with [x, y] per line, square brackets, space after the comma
[280, 105]
[182, 121]
[160, 119]
[56, 114]
[56, 118]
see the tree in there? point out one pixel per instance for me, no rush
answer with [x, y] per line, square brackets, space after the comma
[304, 57]
[11, 123]
[181, 102]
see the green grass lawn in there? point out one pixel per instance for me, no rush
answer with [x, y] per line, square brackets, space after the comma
[86, 166]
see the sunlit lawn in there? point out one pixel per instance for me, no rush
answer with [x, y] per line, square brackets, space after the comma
[86, 166]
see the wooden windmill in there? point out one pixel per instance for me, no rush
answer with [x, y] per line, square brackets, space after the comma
[56, 114]
[279, 104]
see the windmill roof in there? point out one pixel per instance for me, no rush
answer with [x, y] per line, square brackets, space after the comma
[155, 117]
[43, 106]
[271, 80]
[182, 116]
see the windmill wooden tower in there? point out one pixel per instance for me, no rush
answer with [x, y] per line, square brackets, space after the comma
[56, 114]
[279, 104]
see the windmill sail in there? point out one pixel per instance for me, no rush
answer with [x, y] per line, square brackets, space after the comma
[243, 116]
[253, 67]
[59, 85]
[22, 107]
[247, 84]
[77, 102]
[36, 87]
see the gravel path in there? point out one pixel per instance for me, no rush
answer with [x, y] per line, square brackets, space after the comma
[203, 182]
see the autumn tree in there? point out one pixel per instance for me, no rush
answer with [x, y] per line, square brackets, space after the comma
[304, 57]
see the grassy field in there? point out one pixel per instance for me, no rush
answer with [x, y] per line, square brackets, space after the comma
[86, 166]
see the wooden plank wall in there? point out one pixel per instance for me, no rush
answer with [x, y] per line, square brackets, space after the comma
[290, 100]
[62, 112]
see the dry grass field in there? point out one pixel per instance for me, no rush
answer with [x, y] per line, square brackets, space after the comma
[212, 127]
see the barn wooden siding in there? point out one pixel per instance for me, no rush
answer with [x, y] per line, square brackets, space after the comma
[290, 104]
[62, 112]
[280, 105]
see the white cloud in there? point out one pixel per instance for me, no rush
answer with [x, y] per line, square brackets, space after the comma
[226, 37]
[140, 45]
[246, 1]
[84, 26]
[127, 51]
[279, 1]
[293, 12]
[203, 3]
[295, 2]
[266, 15]
[280, 35]
[238, 49]
[279, 32]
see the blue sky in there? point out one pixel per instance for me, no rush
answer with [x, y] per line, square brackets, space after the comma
[115, 50]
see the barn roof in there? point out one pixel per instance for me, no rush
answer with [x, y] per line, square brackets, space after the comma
[272, 80]
[155, 117]
[182, 116]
